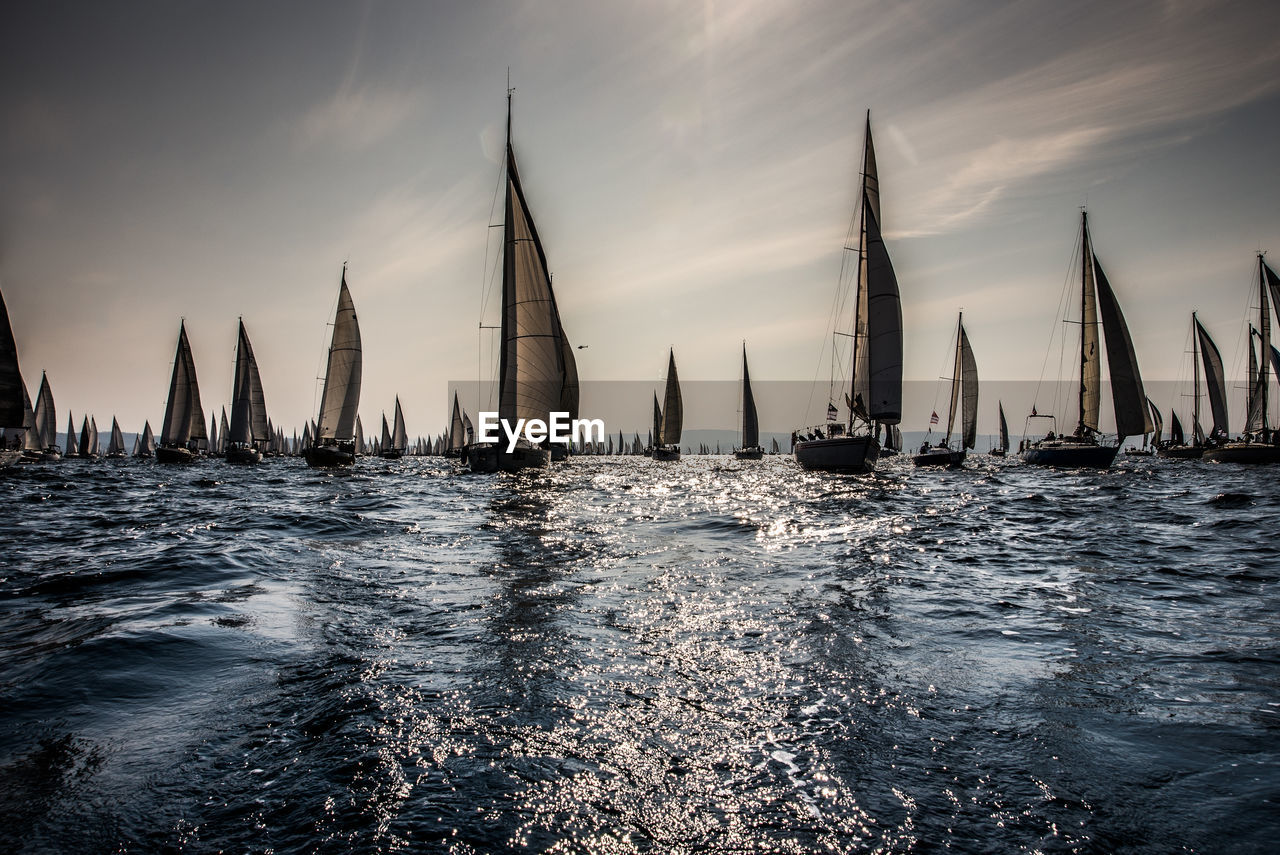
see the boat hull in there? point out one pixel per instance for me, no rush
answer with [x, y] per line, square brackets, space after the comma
[996, 452]
[1071, 455]
[669, 454]
[749, 453]
[1181, 452]
[1243, 452]
[244, 455]
[175, 454]
[940, 457]
[321, 456]
[390, 455]
[857, 454]
[489, 457]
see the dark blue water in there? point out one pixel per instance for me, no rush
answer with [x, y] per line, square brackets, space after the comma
[623, 656]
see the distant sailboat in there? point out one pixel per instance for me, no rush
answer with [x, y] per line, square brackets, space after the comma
[876, 386]
[333, 441]
[750, 449]
[115, 448]
[1003, 448]
[146, 442]
[88, 440]
[964, 393]
[1083, 448]
[669, 420]
[1203, 352]
[395, 442]
[13, 410]
[248, 430]
[72, 447]
[773, 446]
[1259, 443]
[458, 439]
[183, 426]
[46, 418]
[533, 369]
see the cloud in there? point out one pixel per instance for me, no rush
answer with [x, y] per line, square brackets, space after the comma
[356, 119]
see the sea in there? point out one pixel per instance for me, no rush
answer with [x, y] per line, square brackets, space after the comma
[617, 655]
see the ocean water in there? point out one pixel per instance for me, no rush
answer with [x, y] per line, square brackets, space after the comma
[623, 656]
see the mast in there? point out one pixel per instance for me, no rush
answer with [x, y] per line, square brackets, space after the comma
[955, 381]
[1264, 311]
[858, 381]
[1196, 431]
[1090, 373]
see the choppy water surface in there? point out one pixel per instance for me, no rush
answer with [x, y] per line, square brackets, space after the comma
[623, 656]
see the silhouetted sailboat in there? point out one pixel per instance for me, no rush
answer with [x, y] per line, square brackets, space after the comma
[46, 419]
[333, 441]
[876, 386]
[115, 448]
[533, 371]
[1203, 351]
[395, 441]
[1083, 448]
[146, 442]
[13, 410]
[72, 447]
[669, 420]
[750, 449]
[248, 430]
[1259, 443]
[183, 426]
[1003, 448]
[964, 392]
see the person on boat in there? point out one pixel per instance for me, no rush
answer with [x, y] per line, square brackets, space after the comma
[924, 447]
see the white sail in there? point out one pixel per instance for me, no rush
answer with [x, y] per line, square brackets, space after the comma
[457, 428]
[1127, 395]
[30, 436]
[750, 419]
[1090, 356]
[672, 405]
[183, 415]
[399, 436]
[341, 397]
[360, 444]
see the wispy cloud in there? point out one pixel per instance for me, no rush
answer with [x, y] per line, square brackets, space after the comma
[357, 119]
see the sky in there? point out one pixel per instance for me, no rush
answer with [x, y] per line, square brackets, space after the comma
[692, 169]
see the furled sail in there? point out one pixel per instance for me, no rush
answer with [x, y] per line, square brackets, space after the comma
[532, 370]
[672, 406]
[1130, 401]
[183, 415]
[12, 411]
[1214, 379]
[750, 420]
[341, 397]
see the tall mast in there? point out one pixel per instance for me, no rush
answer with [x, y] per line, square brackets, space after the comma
[862, 256]
[1084, 287]
[1264, 329]
[1195, 368]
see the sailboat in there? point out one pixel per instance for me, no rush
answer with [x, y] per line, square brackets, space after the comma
[1259, 443]
[773, 445]
[669, 419]
[147, 442]
[750, 449]
[88, 439]
[458, 438]
[13, 410]
[72, 448]
[395, 441]
[115, 448]
[248, 428]
[183, 426]
[46, 418]
[1003, 448]
[964, 391]
[1203, 351]
[1152, 440]
[533, 371]
[876, 386]
[1083, 448]
[333, 440]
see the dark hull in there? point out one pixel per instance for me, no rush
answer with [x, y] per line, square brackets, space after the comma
[390, 455]
[670, 454]
[1182, 452]
[329, 455]
[488, 458]
[940, 457]
[996, 452]
[559, 453]
[1071, 455]
[51, 455]
[856, 454]
[1243, 452]
[749, 453]
[244, 455]
[175, 455]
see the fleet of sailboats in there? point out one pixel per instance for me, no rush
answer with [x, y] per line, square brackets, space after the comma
[538, 376]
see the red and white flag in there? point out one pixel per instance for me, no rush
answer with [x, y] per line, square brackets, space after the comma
[933, 419]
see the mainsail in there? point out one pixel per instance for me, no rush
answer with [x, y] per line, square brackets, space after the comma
[457, 427]
[750, 420]
[964, 391]
[1090, 355]
[46, 415]
[399, 436]
[116, 446]
[657, 422]
[1214, 380]
[12, 410]
[1132, 416]
[673, 405]
[341, 396]
[72, 449]
[183, 415]
[1004, 428]
[248, 405]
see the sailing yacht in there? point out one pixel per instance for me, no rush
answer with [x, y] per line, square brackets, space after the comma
[459, 438]
[964, 392]
[1003, 448]
[183, 427]
[1083, 448]
[668, 420]
[333, 440]
[46, 419]
[396, 440]
[1259, 443]
[875, 396]
[248, 429]
[1203, 352]
[13, 409]
[115, 448]
[750, 449]
[533, 370]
